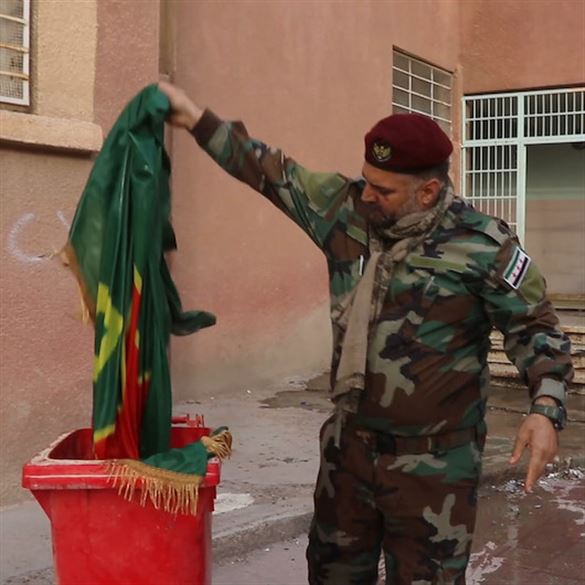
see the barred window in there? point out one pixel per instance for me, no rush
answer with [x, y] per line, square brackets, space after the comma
[14, 51]
[422, 88]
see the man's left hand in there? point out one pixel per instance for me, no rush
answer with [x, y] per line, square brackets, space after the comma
[539, 435]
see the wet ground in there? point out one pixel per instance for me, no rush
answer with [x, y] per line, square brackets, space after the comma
[520, 539]
[531, 539]
[310, 394]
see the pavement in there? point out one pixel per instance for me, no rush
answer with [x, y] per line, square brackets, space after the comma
[520, 540]
[264, 501]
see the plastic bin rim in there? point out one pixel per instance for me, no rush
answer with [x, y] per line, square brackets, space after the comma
[43, 469]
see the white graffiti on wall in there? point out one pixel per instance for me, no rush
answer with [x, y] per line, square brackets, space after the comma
[63, 220]
[14, 238]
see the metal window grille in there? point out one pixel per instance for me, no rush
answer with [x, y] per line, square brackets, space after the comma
[15, 51]
[423, 88]
[552, 114]
[497, 128]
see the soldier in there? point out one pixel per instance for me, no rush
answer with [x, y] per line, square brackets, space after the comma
[417, 280]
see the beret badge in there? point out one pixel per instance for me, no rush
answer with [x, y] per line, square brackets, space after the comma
[381, 151]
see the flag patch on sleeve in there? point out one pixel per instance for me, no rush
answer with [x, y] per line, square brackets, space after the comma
[517, 268]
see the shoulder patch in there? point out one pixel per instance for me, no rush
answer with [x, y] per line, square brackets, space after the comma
[493, 227]
[517, 268]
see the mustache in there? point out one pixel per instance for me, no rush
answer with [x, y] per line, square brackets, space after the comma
[377, 217]
[373, 209]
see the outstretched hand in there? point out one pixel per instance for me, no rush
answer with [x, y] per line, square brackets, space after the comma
[539, 435]
[184, 113]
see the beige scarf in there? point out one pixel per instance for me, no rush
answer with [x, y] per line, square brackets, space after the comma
[357, 315]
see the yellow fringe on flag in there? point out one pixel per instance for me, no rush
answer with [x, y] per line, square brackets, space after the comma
[170, 491]
[220, 445]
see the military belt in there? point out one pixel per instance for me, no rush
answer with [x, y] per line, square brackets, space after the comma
[388, 444]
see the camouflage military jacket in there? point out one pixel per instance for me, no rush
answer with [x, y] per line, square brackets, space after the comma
[427, 367]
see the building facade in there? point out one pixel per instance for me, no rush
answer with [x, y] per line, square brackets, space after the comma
[309, 77]
[83, 67]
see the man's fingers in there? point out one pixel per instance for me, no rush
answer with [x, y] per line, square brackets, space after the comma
[184, 113]
[536, 467]
[169, 90]
[519, 446]
[538, 434]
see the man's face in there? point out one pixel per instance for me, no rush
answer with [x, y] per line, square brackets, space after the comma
[388, 196]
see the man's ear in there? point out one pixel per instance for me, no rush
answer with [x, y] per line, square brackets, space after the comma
[429, 193]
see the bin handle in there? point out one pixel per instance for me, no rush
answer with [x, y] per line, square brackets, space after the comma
[185, 419]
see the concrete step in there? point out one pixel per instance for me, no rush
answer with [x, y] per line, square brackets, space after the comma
[567, 302]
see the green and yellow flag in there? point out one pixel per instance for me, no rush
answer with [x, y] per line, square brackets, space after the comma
[116, 246]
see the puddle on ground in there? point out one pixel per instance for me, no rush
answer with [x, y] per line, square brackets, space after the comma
[520, 535]
[317, 401]
[312, 394]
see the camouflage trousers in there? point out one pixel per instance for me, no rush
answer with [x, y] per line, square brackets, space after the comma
[418, 509]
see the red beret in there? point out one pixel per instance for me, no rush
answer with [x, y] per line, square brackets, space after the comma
[407, 143]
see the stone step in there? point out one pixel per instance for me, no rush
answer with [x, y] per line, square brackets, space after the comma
[564, 302]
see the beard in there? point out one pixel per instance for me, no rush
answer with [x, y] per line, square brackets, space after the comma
[378, 219]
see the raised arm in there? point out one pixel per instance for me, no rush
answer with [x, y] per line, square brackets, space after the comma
[317, 202]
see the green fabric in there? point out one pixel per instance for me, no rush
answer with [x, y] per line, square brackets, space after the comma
[117, 242]
[191, 459]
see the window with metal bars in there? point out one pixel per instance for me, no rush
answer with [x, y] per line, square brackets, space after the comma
[555, 113]
[14, 52]
[422, 88]
[498, 128]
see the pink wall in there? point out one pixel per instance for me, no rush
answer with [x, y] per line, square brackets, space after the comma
[46, 353]
[127, 54]
[511, 45]
[310, 77]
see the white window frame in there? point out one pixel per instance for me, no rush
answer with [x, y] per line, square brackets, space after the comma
[497, 122]
[411, 93]
[24, 75]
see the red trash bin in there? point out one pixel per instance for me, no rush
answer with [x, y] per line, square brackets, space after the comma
[99, 538]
